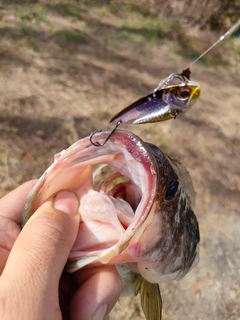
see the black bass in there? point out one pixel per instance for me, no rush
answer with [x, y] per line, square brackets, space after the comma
[139, 216]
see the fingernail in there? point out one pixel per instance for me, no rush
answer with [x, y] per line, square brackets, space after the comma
[67, 202]
[100, 312]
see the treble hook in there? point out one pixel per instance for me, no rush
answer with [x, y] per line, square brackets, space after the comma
[97, 144]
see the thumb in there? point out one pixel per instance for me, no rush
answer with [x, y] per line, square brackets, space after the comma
[40, 253]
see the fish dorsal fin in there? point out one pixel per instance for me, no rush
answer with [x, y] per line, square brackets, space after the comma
[150, 298]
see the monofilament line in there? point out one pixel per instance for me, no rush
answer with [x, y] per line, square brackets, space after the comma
[230, 31]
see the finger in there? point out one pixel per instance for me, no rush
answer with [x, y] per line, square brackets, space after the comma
[97, 295]
[42, 248]
[18, 197]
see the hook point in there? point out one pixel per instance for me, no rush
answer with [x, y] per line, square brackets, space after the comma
[97, 144]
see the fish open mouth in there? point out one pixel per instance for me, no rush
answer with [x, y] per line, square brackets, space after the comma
[111, 208]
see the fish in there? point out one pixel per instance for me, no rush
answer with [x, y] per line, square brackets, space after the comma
[136, 208]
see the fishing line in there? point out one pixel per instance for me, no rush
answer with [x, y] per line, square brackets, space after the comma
[228, 33]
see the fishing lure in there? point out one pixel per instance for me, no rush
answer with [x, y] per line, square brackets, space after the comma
[173, 95]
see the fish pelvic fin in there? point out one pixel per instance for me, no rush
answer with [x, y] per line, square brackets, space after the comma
[150, 298]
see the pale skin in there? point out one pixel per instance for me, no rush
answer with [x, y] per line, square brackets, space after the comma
[32, 283]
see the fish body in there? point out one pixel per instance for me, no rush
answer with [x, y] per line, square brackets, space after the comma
[139, 216]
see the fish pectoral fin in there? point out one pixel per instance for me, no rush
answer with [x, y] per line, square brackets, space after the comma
[150, 298]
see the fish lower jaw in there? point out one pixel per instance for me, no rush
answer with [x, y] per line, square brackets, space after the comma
[107, 209]
[111, 210]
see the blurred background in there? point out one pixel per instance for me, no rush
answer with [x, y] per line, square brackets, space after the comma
[66, 67]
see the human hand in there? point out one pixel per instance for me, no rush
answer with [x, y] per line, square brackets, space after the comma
[32, 282]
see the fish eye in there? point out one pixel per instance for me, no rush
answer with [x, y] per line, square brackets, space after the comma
[172, 188]
[184, 93]
[155, 150]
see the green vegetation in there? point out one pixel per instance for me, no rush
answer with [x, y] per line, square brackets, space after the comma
[238, 49]
[25, 29]
[32, 46]
[69, 9]
[71, 35]
[33, 14]
[150, 36]
[30, 18]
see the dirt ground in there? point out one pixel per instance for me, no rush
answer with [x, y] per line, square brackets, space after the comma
[62, 78]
